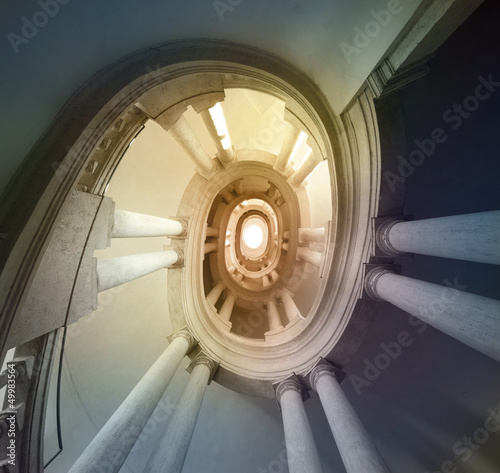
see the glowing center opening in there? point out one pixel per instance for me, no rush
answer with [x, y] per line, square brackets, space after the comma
[253, 236]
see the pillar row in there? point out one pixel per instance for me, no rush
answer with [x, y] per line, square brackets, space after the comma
[111, 446]
[469, 318]
[282, 163]
[227, 307]
[291, 310]
[470, 237]
[301, 451]
[273, 316]
[132, 224]
[306, 167]
[214, 294]
[171, 450]
[116, 271]
[358, 452]
[226, 154]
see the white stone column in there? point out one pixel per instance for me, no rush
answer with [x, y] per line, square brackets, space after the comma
[212, 232]
[470, 237]
[305, 254]
[282, 163]
[227, 307]
[214, 294]
[116, 271]
[301, 449]
[273, 316]
[182, 132]
[274, 275]
[291, 310]
[472, 319]
[306, 167]
[265, 280]
[132, 224]
[358, 452]
[172, 448]
[312, 234]
[111, 446]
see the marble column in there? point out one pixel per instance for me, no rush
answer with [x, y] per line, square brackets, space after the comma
[301, 449]
[273, 316]
[116, 271]
[358, 452]
[472, 319]
[305, 254]
[111, 446]
[306, 167]
[182, 132]
[470, 237]
[282, 163]
[312, 234]
[291, 310]
[132, 224]
[227, 307]
[171, 450]
[214, 294]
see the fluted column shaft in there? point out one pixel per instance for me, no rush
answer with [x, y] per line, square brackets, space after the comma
[182, 132]
[132, 224]
[470, 237]
[358, 452]
[301, 449]
[273, 316]
[305, 254]
[115, 271]
[172, 448]
[472, 319]
[306, 167]
[111, 446]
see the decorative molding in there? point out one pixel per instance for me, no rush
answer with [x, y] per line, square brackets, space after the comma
[203, 359]
[371, 278]
[382, 241]
[322, 368]
[186, 334]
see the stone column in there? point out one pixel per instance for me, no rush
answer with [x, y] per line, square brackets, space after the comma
[172, 448]
[312, 234]
[470, 237]
[291, 310]
[226, 154]
[227, 308]
[274, 275]
[472, 319]
[182, 132]
[214, 294]
[358, 452]
[209, 247]
[273, 316]
[306, 167]
[301, 450]
[111, 446]
[132, 224]
[305, 254]
[115, 271]
[282, 163]
[265, 280]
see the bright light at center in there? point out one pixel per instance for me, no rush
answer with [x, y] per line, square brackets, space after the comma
[253, 236]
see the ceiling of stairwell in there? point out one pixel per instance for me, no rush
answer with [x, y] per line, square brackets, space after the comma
[434, 394]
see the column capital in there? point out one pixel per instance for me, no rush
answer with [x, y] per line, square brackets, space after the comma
[184, 221]
[322, 368]
[372, 275]
[203, 359]
[184, 333]
[291, 383]
[180, 256]
[382, 229]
